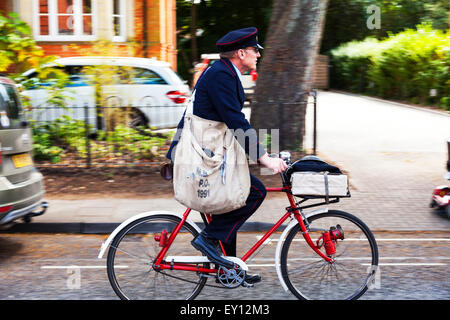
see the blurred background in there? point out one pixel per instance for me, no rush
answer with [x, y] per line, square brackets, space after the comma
[392, 49]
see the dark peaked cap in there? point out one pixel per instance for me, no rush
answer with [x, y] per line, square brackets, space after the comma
[239, 39]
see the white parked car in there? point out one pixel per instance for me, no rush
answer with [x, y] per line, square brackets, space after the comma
[155, 92]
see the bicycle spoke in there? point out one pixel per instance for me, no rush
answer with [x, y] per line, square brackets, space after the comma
[129, 254]
[321, 272]
[335, 271]
[305, 268]
[343, 270]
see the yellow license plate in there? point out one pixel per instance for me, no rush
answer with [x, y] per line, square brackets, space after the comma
[22, 160]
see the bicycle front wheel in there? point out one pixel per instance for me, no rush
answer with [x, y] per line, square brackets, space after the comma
[133, 251]
[308, 276]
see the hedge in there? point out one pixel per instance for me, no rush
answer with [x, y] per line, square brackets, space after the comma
[413, 65]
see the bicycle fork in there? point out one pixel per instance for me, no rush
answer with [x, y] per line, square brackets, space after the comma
[315, 247]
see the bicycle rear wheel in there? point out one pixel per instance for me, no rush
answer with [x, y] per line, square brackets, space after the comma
[308, 276]
[133, 251]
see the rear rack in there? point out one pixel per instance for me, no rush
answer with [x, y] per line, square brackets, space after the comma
[334, 200]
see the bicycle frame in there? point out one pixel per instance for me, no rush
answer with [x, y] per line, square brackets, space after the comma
[292, 209]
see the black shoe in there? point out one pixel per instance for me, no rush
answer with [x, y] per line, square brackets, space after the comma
[252, 279]
[209, 247]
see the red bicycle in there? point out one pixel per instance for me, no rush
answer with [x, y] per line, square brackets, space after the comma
[321, 254]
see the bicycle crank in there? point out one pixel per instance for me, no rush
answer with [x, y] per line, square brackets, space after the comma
[231, 278]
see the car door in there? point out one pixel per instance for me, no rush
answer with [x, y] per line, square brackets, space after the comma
[77, 93]
[149, 92]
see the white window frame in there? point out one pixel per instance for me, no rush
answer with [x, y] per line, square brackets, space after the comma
[122, 37]
[53, 22]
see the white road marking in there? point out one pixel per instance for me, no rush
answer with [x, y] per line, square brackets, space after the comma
[80, 267]
[407, 264]
[261, 265]
[368, 264]
[439, 258]
[365, 239]
[302, 259]
[406, 239]
[268, 241]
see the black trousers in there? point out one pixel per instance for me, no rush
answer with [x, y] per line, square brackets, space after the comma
[224, 227]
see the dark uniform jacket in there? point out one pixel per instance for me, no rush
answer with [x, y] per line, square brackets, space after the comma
[220, 97]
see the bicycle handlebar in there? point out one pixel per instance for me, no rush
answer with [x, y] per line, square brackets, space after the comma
[285, 155]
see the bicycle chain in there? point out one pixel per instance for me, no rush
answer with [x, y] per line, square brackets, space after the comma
[185, 280]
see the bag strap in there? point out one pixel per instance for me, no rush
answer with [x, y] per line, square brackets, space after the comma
[190, 106]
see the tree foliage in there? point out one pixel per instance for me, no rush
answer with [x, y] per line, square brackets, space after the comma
[346, 20]
[214, 19]
[407, 66]
[17, 46]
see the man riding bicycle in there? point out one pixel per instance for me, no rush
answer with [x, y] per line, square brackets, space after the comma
[220, 97]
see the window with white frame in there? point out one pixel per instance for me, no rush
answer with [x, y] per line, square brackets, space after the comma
[65, 20]
[118, 20]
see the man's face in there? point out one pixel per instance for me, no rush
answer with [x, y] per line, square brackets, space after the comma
[251, 55]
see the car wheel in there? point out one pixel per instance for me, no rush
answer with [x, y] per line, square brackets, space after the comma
[137, 119]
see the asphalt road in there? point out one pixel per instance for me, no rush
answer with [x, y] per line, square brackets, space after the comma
[65, 267]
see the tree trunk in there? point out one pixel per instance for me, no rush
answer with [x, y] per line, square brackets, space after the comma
[286, 71]
[194, 50]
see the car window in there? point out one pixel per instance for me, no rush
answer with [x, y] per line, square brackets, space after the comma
[145, 76]
[35, 81]
[77, 78]
[11, 113]
[125, 75]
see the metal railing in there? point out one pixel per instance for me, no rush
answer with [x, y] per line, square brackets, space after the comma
[107, 127]
[98, 126]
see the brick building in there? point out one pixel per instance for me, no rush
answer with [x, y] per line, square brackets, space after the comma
[59, 24]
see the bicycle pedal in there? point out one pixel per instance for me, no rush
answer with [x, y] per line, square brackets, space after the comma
[247, 285]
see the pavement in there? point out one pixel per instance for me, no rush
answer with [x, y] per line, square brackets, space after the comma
[394, 154]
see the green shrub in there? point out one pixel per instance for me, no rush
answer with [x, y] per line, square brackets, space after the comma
[43, 147]
[404, 66]
[66, 137]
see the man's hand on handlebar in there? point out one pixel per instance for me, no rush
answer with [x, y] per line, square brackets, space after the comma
[277, 165]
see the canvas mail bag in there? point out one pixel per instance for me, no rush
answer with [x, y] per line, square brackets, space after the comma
[210, 172]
